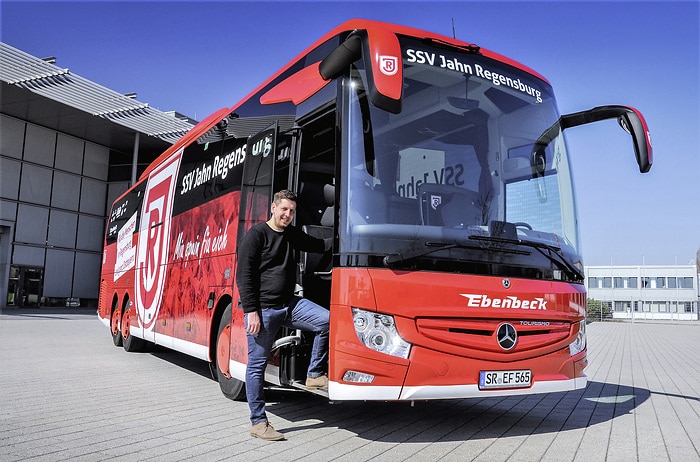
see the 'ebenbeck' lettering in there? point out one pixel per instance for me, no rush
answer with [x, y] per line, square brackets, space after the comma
[484, 301]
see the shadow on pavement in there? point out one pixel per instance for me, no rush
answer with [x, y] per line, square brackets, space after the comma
[464, 419]
[444, 420]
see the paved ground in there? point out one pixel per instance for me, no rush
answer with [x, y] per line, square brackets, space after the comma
[67, 393]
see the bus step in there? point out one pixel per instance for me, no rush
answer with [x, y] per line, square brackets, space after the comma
[302, 386]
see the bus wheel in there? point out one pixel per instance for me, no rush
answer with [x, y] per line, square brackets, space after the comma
[129, 342]
[114, 322]
[231, 388]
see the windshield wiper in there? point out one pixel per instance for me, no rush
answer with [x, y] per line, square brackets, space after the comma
[552, 253]
[394, 258]
[391, 259]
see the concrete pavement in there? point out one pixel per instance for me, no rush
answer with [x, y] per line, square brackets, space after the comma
[66, 393]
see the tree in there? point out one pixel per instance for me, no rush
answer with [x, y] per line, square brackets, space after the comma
[598, 310]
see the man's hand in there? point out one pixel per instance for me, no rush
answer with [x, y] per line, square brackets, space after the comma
[253, 326]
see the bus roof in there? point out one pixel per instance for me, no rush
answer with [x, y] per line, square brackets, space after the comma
[348, 26]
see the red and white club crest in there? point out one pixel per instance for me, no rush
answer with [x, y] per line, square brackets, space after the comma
[389, 65]
[154, 236]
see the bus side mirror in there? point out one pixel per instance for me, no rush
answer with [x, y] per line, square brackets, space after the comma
[341, 58]
[381, 52]
[633, 123]
[630, 119]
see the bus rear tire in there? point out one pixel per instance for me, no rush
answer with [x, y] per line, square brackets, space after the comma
[233, 389]
[115, 326]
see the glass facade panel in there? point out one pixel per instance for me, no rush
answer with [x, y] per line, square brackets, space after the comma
[9, 186]
[35, 184]
[11, 137]
[39, 145]
[66, 191]
[69, 154]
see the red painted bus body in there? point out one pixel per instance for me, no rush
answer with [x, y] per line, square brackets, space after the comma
[441, 172]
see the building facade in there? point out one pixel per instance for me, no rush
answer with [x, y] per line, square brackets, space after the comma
[645, 292]
[68, 148]
[53, 200]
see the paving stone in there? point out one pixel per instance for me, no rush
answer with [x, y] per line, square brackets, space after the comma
[68, 394]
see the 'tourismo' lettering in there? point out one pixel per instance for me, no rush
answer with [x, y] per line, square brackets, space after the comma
[484, 301]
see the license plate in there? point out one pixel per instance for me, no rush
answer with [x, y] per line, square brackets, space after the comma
[504, 379]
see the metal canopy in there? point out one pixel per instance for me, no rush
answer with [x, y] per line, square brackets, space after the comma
[247, 126]
[21, 73]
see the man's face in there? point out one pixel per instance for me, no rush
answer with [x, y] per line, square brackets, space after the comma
[283, 213]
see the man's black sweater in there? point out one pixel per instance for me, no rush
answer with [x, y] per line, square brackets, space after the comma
[266, 265]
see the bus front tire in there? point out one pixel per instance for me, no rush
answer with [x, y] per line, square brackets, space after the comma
[129, 342]
[233, 389]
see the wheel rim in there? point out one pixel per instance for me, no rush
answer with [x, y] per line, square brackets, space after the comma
[126, 317]
[116, 318]
[222, 347]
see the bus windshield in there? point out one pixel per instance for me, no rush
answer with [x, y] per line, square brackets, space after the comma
[455, 181]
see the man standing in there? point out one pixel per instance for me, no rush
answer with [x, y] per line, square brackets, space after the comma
[266, 280]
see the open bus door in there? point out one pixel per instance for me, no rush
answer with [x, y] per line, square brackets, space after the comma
[273, 161]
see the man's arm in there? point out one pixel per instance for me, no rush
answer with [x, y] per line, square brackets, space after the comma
[248, 279]
[248, 271]
[307, 243]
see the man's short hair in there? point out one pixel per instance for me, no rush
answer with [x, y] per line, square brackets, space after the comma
[284, 194]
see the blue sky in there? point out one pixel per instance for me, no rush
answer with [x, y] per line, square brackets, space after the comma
[196, 57]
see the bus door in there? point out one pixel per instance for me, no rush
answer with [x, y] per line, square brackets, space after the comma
[316, 207]
[313, 178]
[265, 171]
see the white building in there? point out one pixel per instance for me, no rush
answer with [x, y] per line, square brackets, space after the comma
[645, 292]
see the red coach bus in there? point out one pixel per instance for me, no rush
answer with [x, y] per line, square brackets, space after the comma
[441, 172]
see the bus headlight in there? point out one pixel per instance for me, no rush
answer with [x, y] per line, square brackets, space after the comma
[378, 332]
[580, 343]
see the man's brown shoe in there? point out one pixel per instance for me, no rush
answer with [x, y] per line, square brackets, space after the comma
[264, 431]
[314, 383]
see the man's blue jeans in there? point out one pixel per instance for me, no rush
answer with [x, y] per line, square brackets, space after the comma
[300, 314]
